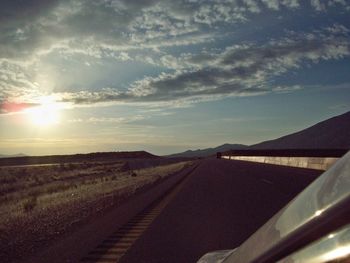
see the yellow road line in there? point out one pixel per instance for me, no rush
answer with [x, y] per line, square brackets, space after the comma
[117, 244]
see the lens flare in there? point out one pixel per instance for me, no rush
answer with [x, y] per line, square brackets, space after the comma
[46, 114]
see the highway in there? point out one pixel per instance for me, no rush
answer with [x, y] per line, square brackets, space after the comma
[217, 205]
[221, 204]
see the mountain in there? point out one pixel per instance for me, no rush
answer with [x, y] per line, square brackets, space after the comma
[209, 151]
[333, 133]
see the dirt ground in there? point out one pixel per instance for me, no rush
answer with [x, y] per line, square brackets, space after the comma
[41, 203]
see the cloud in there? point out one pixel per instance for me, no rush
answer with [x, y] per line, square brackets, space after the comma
[317, 5]
[320, 6]
[112, 120]
[31, 27]
[45, 46]
[119, 120]
[15, 82]
[240, 70]
[11, 107]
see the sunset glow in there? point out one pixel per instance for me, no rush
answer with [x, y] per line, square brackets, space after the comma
[47, 114]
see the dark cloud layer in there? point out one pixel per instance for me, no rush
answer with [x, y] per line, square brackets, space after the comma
[31, 26]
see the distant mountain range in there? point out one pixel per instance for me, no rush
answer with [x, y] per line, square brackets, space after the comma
[333, 133]
[209, 151]
[12, 155]
[96, 157]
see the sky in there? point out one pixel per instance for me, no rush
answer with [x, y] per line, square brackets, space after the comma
[165, 76]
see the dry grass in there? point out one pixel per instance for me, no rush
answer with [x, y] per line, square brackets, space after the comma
[39, 202]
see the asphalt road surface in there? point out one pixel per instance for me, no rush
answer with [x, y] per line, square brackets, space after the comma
[221, 205]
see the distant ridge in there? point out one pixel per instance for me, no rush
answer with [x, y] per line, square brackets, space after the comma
[209, 151]
[12, 155]
[333, 133]
[98, 156]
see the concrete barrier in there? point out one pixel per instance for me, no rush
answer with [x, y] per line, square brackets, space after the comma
[318, 163]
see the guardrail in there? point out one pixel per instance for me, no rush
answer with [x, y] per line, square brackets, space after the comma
[320, 211]
[303, 158]
[313, 227]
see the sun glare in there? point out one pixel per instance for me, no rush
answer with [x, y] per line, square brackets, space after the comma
[46, 114]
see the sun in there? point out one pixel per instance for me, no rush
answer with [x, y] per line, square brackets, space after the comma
[46, 114]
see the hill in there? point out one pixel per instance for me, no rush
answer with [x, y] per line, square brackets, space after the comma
[209, 151]
[333, 133]
[12, 155]
[95, 157]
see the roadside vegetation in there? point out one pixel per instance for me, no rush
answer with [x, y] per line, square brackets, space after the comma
[38, 203]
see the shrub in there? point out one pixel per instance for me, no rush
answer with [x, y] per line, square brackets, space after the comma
[114, 177]
[71, 166]
[24, 172]
[62, 167]
[30, 204]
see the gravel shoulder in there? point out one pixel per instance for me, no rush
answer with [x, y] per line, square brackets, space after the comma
[84, 193]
